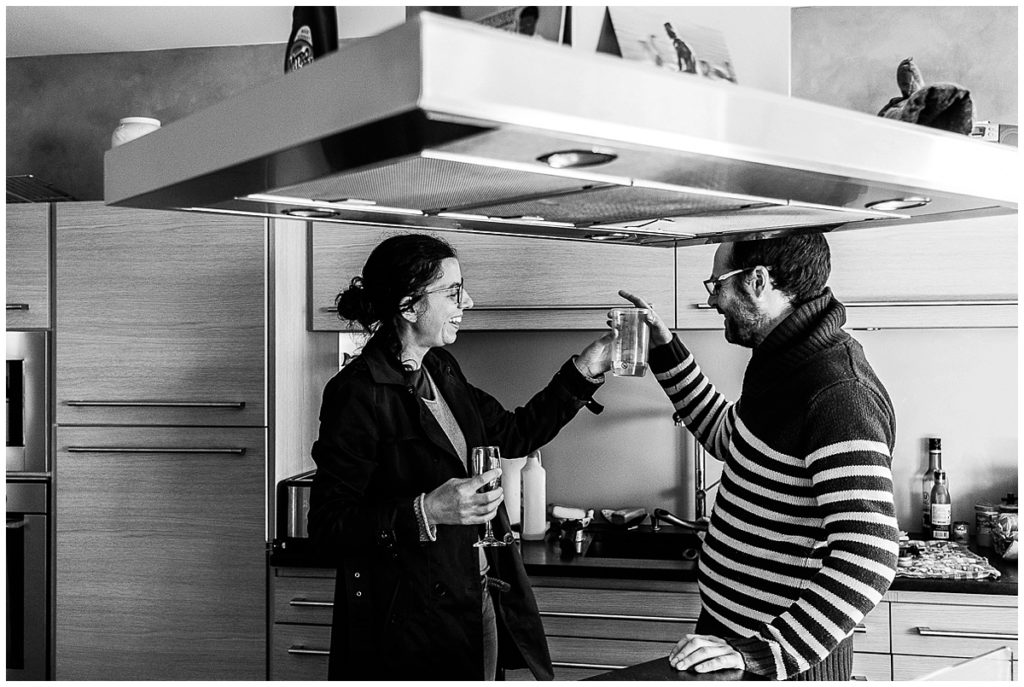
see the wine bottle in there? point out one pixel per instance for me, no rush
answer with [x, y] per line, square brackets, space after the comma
[927, 481]
[314, 33]
[941, 507]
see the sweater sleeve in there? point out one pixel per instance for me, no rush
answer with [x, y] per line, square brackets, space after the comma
[704, 411]
[849, 434]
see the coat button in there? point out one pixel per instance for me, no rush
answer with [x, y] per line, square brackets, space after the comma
[359, 594]
[356, 576]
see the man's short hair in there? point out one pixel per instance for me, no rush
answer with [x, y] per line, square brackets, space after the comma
[799, 265]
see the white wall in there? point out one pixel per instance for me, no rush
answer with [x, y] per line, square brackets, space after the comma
[960, 385]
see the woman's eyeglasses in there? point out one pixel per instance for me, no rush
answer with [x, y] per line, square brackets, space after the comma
[454, 292]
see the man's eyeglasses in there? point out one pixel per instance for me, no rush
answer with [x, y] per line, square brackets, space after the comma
[712, 284]
[454, 292]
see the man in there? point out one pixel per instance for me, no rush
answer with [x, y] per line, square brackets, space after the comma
[803, 539]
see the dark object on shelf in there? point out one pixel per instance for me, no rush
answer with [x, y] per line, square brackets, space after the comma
[28, 188]
[945, 106]
[314, 33]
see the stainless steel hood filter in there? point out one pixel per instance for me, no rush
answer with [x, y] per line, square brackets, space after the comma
[443, 124]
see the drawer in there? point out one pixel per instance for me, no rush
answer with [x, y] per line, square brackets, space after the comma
[874, 667]
[611, 604]
[916, 667]
[604, 654]
[872, 635]
[948, 630]
[299, 652]
[613, 628]
[307, 600]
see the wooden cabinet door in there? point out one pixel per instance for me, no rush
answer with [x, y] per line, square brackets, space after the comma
[28, 266]
[161, 564]
[947, 274]
[161, 317]
[515, 283]
[952, 630]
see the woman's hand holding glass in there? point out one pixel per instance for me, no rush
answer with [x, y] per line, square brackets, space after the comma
[459, 501]
[596, 358]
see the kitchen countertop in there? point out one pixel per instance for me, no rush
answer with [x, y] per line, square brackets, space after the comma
[543, 559]
[659, 670]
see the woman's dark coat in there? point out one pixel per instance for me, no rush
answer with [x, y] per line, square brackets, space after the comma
[406, 609]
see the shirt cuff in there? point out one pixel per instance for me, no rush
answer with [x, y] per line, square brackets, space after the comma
[428, 532]
[586, 375]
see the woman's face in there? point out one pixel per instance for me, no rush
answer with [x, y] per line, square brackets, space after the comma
[438, 312]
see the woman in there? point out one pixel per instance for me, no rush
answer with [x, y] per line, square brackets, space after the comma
[391, 501]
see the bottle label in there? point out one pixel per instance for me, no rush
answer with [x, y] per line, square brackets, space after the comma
[300, 52]
[940, 534]
[941, 516]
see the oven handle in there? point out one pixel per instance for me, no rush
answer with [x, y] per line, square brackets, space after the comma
[17, 306]
[153, 449]
[157, 404]
[16, 524]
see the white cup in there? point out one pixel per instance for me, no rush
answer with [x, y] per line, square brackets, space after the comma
[130, 128]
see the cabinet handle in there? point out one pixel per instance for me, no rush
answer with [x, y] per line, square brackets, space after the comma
[16, 524]
[502, 308]
[863, 678]
[307, 603]
[17, 306]
[907, 304]
[926, 631]
[304, 651]
[860, 629]
[597, 666]
[158, 404]
[610, 616]
[153, 449]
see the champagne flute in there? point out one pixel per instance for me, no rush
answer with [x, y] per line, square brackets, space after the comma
[482, 459]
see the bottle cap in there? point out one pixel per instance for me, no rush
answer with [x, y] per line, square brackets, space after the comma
[934, 444]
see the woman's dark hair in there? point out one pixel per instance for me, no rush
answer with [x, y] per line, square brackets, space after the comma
[799, 264]
[399, 266]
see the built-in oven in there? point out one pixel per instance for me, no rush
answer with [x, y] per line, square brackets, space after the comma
[28, 636]
[28, 408]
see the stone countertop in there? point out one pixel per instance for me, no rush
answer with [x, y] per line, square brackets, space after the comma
[543, 559]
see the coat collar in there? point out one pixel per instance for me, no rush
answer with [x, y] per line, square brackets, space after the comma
[384, 369]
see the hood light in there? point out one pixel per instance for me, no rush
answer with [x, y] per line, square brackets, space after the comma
[571, 159]
[614, 236]
[310, 213]
[899, 203]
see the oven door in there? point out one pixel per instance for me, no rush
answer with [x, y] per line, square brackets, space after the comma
[27, 582]
[27, 407]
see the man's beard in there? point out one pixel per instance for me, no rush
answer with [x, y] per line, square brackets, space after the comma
[744, 325]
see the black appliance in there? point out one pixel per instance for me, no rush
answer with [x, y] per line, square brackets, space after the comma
[28, 637]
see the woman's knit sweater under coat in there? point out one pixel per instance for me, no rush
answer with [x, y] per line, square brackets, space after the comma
[803, 538]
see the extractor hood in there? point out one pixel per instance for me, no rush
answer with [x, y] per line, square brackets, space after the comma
[444, 124]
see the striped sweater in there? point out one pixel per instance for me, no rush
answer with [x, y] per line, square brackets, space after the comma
[803, 538]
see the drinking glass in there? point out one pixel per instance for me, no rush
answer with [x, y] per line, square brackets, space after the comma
[629, 356]
[482, 459]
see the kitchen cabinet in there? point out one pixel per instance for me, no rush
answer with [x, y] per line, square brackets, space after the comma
[161, 317]
[28, 265]
[515, 283]
[301, 606]
[933, 631]
[160, 553]
[947, 274]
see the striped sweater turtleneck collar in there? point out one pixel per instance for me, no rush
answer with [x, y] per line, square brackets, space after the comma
[812, 327]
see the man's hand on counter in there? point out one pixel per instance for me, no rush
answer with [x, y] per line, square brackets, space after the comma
[704, 653]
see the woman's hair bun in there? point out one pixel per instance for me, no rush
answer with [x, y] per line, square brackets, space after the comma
[354, 304]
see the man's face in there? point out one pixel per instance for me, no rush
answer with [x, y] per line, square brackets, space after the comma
[743, 318]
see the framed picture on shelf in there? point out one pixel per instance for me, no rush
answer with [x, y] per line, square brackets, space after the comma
[663, 37]
[538, 21]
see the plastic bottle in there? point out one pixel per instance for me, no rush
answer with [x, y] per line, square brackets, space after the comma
[314, 33]
[941, 508]
[928, 480]
[534, 498]
[511, 482]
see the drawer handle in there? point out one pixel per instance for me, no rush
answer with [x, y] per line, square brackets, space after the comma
[308, 603]
[610, 616]
[17, 306]
[908, 304]
[598, 666]
[860, 629]
[157, 404]
[305, 651]
[926, 631]
[859, 677]
[153, 449]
